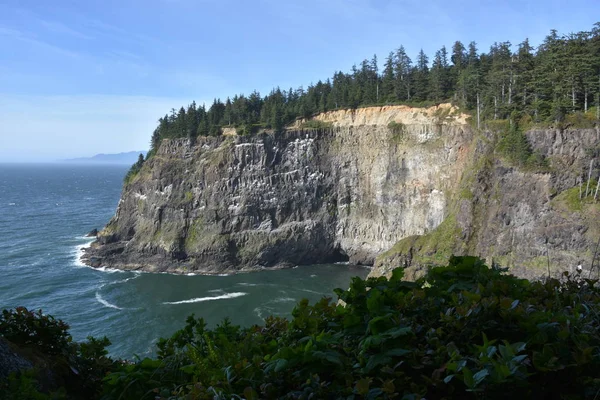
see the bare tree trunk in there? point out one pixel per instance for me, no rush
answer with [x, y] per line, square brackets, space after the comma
[478, 119]
[495, 107]
[510, 92]
[589, 177]
[585, 103]
[580, 185]
[573, 95]
[597, 186]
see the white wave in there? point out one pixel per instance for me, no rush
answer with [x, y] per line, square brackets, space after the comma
[313, 276]
[106, 303]
[124, 280]
[216, 291]
[86, 238]
[12, 204]
[283, 300]
[107, 269]
[190, 274]
[312, 291]
[79, 250]
[247, 284]
[342, 263]
[201, 299]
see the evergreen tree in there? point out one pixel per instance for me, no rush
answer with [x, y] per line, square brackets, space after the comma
[420, 76]
[561, 76]
[388, 80]
[402, 73]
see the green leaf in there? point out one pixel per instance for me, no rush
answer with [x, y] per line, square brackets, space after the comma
[397, 352]
[376, 360]
[468, 378]
[479, 377]
[280, 364]
[397, 332]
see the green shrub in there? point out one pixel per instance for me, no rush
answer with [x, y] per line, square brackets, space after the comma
[316, 124]
[69, 369]
[463, 331]
[34, 329]
[398, 130]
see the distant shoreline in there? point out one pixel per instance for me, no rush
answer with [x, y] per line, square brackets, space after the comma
[127, 158]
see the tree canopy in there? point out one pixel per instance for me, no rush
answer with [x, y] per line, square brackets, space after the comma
[560, 76]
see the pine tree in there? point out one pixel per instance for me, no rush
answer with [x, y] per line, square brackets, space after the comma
[402, 68]
[420, 77]
[387, 80]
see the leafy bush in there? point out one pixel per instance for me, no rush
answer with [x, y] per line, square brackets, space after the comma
[398, 130]
[316, 124]
[34, 329]
[462, 331]
[62, 368]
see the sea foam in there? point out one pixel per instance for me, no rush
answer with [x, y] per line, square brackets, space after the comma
[79, 250]
[106, 303]
[201, 299]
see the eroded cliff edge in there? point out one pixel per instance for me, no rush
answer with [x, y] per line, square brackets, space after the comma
[236, 203]
[391, 186]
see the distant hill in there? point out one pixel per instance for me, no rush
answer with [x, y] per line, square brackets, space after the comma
[120, 158]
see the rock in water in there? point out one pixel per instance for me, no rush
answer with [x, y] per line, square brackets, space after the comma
[92, 233]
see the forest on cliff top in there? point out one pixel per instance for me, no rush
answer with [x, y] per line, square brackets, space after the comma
[543, 84]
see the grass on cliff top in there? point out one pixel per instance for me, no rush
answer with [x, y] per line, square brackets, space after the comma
[316, 124]
[570, 199]
[463, 331]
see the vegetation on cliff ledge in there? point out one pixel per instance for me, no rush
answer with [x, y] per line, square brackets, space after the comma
[464, 331]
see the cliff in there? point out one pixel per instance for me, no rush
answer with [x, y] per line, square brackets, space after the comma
[234, 203]
[530, 220]
[393, 185]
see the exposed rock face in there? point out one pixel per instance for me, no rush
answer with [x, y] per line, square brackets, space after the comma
[531, 221]
[408, 186]
[305, 196]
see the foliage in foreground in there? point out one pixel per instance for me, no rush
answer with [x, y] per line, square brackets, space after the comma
[62, 368]
[462, 331]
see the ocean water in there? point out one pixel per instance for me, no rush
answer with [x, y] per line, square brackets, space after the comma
[45, 211]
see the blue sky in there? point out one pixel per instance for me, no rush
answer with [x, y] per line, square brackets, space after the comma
[84, 77]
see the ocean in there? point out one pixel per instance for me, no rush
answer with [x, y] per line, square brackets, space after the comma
[45, 212]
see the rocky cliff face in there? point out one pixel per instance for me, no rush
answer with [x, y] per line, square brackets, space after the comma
[394, 186]
[532, 221]
[233, 203]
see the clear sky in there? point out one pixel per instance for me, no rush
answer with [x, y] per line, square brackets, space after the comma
[84, 77]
